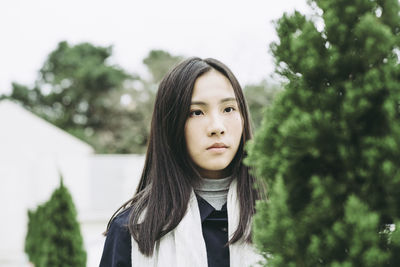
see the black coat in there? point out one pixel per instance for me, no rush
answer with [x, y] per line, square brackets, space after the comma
[117, 247]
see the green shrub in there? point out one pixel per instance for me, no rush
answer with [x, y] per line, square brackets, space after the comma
[329, 147]
[35, 234]
[54, 238]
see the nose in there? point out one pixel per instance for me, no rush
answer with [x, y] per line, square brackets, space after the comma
[216, 126]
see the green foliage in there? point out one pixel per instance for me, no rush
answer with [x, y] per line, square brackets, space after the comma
[53, 237]
[74, 85]
[329, 145]
[35, 234]
[159, 62]
[135, 127]
[79, 91]
[74, 91]
[3, 96]
[259, 97]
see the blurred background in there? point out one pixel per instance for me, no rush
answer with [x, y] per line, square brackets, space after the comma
[77, 87]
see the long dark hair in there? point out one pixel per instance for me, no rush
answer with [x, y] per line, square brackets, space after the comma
[168, 177]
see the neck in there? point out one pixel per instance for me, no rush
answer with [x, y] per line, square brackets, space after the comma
[214, 191]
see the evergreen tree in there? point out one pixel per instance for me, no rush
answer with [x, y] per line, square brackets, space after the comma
[329, 147]
[134, 127]
[54, 238]
[35, 234]
[74, 86]
[78, 90]
[159, 62]
[64, 244]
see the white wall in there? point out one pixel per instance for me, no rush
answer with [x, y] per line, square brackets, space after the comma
[99, 184]
[113, 180]
[33, 153]
[28, 182]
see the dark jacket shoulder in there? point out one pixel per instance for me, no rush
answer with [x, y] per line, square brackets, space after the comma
[117, 246]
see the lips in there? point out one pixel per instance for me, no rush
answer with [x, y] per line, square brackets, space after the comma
[217, 146]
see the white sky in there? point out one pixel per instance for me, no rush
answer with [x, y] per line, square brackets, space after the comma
[237, 32]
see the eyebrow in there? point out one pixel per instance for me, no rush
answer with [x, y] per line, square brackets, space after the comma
[201, 103]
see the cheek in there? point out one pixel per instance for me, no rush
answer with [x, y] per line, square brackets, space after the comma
[187, 134]
[190, 136]
[236, 126]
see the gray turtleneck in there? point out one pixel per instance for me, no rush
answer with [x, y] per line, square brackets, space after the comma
[214, 191]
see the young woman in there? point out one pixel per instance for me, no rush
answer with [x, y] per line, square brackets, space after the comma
[195, 199]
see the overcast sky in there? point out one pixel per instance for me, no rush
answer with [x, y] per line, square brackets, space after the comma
[236, 32]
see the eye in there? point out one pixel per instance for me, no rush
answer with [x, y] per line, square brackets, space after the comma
[195, 113]
[229, 109]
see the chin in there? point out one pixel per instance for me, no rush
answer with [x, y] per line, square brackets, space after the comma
[216, 167]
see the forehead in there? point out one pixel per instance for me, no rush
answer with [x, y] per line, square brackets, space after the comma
[212, 85]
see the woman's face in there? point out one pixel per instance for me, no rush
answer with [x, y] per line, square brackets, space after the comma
[214, 128]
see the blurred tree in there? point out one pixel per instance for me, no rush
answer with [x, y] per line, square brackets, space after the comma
[54, 237]
[259, 97]
[63, 244]
[159, 62]
[35, 234]
[329, 147]
[80, 92]
[137, 101]
[74, 91]
[135, 111]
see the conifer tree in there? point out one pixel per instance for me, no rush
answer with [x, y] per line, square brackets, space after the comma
[329, 147]
[63, 245]
[54, 238]
[35, 234]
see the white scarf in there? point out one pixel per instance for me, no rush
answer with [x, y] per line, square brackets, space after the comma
[185, 247]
